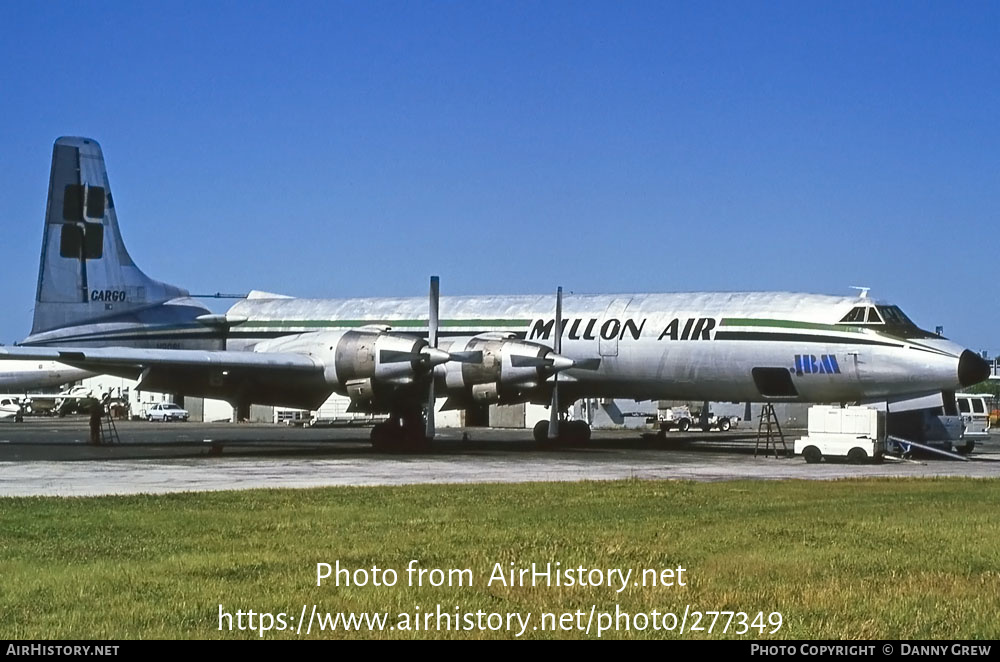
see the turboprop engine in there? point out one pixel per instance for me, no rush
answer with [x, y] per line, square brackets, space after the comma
[363, 361]
[508, 367]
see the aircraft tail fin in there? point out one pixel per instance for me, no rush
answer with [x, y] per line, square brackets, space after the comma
[86, 274]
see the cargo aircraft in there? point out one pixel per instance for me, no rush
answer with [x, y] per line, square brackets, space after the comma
[96, 310]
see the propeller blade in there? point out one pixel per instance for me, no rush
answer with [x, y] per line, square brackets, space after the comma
[531, 361]
[435, 356]
[554, 408]
[559, 329]
[467, 357]
[428, 355]
[432, 337]
[429, 431]
[587, 364]
[396, 356]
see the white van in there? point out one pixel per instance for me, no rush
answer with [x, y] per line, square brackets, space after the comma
[975, 416]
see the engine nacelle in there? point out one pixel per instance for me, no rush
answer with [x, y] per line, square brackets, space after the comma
[361, 362]
[509, 366]
[486, 393]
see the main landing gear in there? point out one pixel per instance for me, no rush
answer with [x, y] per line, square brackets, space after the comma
[571, 433]
[401, 433]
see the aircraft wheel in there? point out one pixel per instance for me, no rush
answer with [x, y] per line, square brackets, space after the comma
[724, 425]
[812, 455]
[413, 439]
[857, 456]
[541, 432]
[384, 436]
[579, 432]
[966, 448]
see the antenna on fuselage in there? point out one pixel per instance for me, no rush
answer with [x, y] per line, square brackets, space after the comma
[862, 291]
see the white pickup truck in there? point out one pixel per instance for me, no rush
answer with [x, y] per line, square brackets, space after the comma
[682, 419]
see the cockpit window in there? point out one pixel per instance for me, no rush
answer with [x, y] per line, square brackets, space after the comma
[888, 318]
[893, 315]
[856, 316]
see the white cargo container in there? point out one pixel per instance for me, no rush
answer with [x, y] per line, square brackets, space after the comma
[857, 433]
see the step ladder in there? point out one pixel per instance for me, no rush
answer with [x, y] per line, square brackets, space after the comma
[769, 429]
[109, 432]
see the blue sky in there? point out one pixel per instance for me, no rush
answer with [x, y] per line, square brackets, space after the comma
[353, 149]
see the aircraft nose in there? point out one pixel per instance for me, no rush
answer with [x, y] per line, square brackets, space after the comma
[972, 369]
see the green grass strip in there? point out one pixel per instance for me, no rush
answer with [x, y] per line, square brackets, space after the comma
[854, 559]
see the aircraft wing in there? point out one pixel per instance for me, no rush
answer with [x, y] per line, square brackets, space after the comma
[143, 358]
[284, 378]
[52, 397]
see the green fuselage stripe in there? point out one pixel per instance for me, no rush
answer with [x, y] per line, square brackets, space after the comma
[857, 330]
[388, 322]
[787, 324]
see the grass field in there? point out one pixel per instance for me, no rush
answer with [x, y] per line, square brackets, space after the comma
[895, 559]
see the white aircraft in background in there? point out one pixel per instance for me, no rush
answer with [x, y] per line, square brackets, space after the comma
[17, 406]
[19, 378]
[10, 408]
[23, 376]
[96, 310]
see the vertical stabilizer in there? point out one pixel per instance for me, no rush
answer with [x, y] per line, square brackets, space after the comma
[86, 274]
